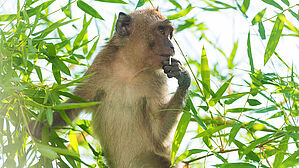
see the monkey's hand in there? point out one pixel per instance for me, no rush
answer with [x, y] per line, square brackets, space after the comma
[177, 70]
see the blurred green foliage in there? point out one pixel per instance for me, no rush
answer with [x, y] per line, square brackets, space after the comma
[33, 46]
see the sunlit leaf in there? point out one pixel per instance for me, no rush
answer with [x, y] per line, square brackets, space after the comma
[230, 60]
[81, 35]
[212, 130]
[256, 142]
[273, 3]
[249, 53]
[113, 1]
[88, 9]
[179, 134]
[176, 4]
[181, 13]
[188, 153]
[205, 73]
[258, 17]
[283, 146]
[235, 165]
[245, 6]
[65, 106]
[233, 132]
[291, 161]
[274, 37]
[220, 92]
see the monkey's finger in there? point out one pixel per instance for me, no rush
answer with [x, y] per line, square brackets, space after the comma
[173, 74]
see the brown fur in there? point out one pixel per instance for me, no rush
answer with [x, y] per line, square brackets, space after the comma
[132, 87]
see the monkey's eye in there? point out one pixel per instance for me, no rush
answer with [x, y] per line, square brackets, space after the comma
[162, 29]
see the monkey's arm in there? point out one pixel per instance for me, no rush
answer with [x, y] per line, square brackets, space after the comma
[169, 117]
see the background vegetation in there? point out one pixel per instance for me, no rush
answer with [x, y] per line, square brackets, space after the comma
[240, 113]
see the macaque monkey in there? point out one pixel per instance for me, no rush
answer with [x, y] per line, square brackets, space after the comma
[132, 122]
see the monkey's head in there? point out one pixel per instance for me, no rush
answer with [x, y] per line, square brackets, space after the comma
[146, 34]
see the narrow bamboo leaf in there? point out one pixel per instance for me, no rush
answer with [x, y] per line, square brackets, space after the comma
[72, 82]
[273, 3]
[93, 48]
[195, 114]
[220, 157]
[233, 132]
[239, 110]
[60, 65]
[113, 1]
[88, 9]
[230, 61]
[274, 37]
[262, 30]
[140, 3]
[73, 141]
[113, 26]
[49, 114]
[205, 73]
[220, 92]
[176, 4]
[263, 122]
[81, 35]
[188, 153]
[253, 102]
[6, 17]
[283, 146]
[265, 109]
[65, 106]
[39, 73]
[249, 53]
[245, 6]
[43, 6]
[286, 2]
[258, 17]
[67, 10]
[179, 134]
[291, 160]
[256, 142]
[235, 165]
[294, 14]
[56, 73]
[233, 99]
[46, 151]
[212, 130]
[181, 13]
[64, 39]
[85, 37]
[69, 95]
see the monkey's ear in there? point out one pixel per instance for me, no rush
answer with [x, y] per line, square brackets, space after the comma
[124, 24]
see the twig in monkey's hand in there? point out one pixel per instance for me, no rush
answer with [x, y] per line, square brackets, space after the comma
[169, 60]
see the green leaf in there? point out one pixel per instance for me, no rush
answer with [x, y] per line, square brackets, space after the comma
[220, 157]
[256, 142]
[291, 160]
[73, 141]
[188, 153]
[179, 134]
[181, 13]
[205, 73]
[274, 37]
[253, 102]
[239, 110]
[273, 3]
[39, 73]
[49, 114]
[176, 4]
[294, 14]
[286, 2]
[88, 9]
[93, 48]
[113, 1]
[262, 30]
[113, 26]
[263, 122]
[265, 109]
[195, 114]
[258, 17]
[251, 155]
[60, 65]
[69, 95]
[56, 73]
[230, 60]
[7, 17]
[245, 6]
[249, 53]
[212, 130]
[233, 132]
[46, 151]
[65, 106]
[140, 3]
[282, 148]
[220, 92]
[81, 35]
[235, 165]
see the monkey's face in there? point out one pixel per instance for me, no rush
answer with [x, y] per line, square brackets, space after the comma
[159, 45]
